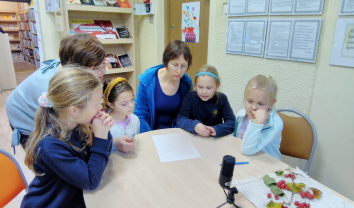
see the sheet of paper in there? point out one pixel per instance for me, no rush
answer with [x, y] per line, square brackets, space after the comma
[295, 7]
[235, 36]
[346, 7]
[255, 37]
[343, 43]
[247, 7]
[173, 147]
[305, 37]
[278, 39]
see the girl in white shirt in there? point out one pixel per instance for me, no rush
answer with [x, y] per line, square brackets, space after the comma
[119, 99]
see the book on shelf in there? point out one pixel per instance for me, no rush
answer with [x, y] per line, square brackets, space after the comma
[113, 60]
[87, 2]
[73, 2]
[100, 2]
[123, 3]
[123, 32]
[3, 26]
[100, 29]
[112, 3]
[124, 60]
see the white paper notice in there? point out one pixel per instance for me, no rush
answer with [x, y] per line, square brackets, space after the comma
[235, 32]
[346, 7]
[246, 36]
[278, 41]
[293, 39]
[247, 7]
[295, 7]
[305, 40]
[343, 43]
[172, 147]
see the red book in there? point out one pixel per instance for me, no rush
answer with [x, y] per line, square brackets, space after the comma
[123, 3]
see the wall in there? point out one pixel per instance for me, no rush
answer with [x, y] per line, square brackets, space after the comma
[323, 92]
[150, 34]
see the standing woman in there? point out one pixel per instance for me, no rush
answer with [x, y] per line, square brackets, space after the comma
[162, 88]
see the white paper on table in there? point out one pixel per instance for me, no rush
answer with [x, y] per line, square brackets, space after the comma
[173, 147]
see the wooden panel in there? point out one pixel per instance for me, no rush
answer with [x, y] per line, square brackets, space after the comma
[199, 50]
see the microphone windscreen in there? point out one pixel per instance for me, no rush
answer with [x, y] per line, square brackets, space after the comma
[228, 164]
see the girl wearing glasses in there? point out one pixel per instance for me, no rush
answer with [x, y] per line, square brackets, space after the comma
[162, 88]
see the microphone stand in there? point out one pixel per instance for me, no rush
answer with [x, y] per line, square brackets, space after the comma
[230, 197]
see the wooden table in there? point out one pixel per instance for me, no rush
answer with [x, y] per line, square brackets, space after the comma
[139, 179]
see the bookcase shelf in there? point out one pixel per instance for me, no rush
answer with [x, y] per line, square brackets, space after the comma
[118, 17]
[8, 21]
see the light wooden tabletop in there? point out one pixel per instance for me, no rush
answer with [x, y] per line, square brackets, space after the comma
[139, 179]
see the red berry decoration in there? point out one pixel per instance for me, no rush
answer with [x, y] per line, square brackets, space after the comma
[282, 181]
[294, 176]
[307, 205]
[290, 175]
[282, 186]
[309, 195]
[302, 204]
[269, 195]
[279, 184]
[286, 176]
[302, 194]
[296, 203]
[287, 188]
[276, 196]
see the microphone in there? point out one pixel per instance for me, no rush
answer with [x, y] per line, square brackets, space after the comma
[227, 170]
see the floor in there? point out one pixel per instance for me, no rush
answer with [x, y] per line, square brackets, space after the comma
[22, 71]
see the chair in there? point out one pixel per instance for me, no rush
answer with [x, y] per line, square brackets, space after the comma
[12, 180]
[299, 136]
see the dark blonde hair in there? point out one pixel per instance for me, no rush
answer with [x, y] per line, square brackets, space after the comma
[71, 86]
[117, 90]
[82, 49]
[265, 83]
[174, 49]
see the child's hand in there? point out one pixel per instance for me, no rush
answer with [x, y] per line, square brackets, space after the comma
[260, 116]
[212, 130]
[124, 144]
[101, 124]
[202, 130]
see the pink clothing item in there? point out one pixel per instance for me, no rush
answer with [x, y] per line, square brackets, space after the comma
[124, 123]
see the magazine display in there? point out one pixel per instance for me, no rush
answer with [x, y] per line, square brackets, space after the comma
[114, 63]
[100, 2]
[100, 29]
[73, 2]
[87, 2]
[123, 32]
[125, 60]
[123, 3]
[112, 3]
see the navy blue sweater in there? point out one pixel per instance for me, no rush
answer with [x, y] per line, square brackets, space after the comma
[66, 172]
[215, 113]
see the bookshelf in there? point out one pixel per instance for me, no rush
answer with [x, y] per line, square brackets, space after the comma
[9, 22]
[28, 36]
[118, 16]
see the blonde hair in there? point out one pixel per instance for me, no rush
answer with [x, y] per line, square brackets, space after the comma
[265, 83]
[71, 86]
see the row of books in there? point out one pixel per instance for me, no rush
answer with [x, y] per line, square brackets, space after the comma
[120, 61]
[100, 29]
[33, 27]
[110, 3]
[25, 34]
[27, 43]
[31, 14]
[24, 25]
[13, 36]
[36, 53]
[29, 59]
[15, 46]
[24, 16]
[27, 52]
[35, 41]
[8, 26]
[16, 55]
[7, 17]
